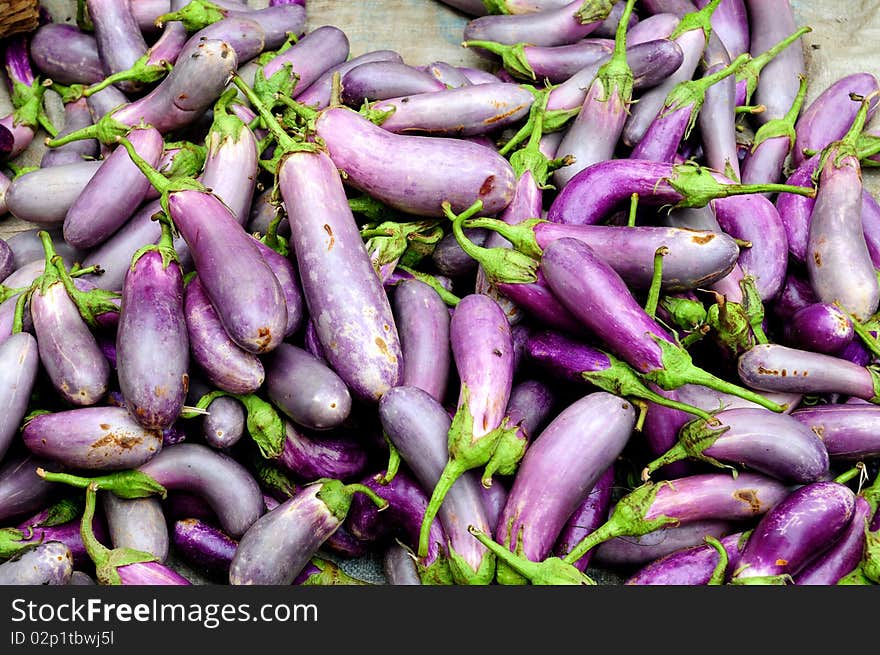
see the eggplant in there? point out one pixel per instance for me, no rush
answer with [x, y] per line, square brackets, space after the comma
[203, 546]
[691, 566]
[225, 423]
[136, 523]
[19, 365]
[820, 327]
[843, 555]
[45, 195]
[847, 430]
[120, 41]
[66, 54]
[589, 515]
[627, 552]
[22, 491]
[49, 563]
[311, 456]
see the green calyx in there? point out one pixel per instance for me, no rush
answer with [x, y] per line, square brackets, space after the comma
[264, 423]
[464, 574]
[330, 574]
[496, 6]
[868, 145]
[27, 103]
[697, 186]
[595, 11]
[165, 245]
[12, 543]
[719, 573]
[337, 496]
[107, 130]
[437, 572]
[107, 561]
[390, 241]
[751, 71]
[445, 295]
[697, 20]
[195, 15]
[521, 236]
[124, 484]
[273, 90]
[847, 147]
[513, 57]
[501, 265]
[510, 446]
[530, 158]
[762, 580]
[226, 126]
[871, 557]
[615, 76]
[622, 380]
[551, 571]
[693, 440]
[855, 577]
[692, 93]
[143, 71]
[271, 477]
[626, 520]
[539, 122]
[730, 326]
[753, 307]
[783, 127]
[375, 211]
[188, 161]
[686, 313]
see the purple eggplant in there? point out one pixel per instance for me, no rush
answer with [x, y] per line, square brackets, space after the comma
[7, 259]
[655, 505]
[770, 22]
[795, 530]
[287, 276]
[22, 491]
[624, 552]
[94, 438]
[203, 546]
[843, 555]
[531, 522]
[838, 261]
[494, 499]
[120, 41]
[847, 430]
[45, 195]
[136, 523]
[276, 548]
[795, 295]
[27, 90]
[555, 64]
[19, 364]
[774, 367]
[453, 77]
[223, 482]
[567, 24]
[418, 425]
[776, 445]
[225, 423]
[820, 327]
[318, 93]
[66, 55]
[311, 456]
[151, 323]
[225, 364]
[399, 567]
[589, 515]
[49, 563]
[451, 260]
[423, 325]
[60, 522]
[76, 116]
[691, 566]
[383, 80]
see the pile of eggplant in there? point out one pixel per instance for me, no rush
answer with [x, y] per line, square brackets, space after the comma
[602, 311]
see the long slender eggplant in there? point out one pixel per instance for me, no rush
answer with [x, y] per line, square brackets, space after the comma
[120, 41]
[534, 514]
[136, 523]
[691, 566]
[554, 64]
[589, 515]
[76, 116]
[567, 24]
[66, 55]
[654, 505]
[820, 327]
[19, 364]
[285, 272]
[453, 77]
[798, 528]
[844, 554]
[44, 196]
[838, 261]
[49, 563]
[849, 431]
[383, 80]
[94, 438]
[627, 552]
[203, 546]
[399, 567]
[418, 426]
[310, 456]
[278, 545]
[318, 93]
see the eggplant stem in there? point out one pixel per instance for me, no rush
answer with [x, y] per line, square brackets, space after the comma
[633, 207]
[451, 473]
[656, 281]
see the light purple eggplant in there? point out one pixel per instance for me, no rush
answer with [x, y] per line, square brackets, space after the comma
[76, 116]
[589, 515]
[27, 247]
[453, 77]
[7, 259]
[774, 367]
[350, 309]
[594, 193]
[731, 23]
[44, 196]
[691, 566]
[287, 276]
[627, 552]
[177, 101]
[799, 527]
[559, 26]
[310, 455]
[22, 491]
[843, 555]
[105, 102]
[120, 41]
[276, 548]
[838, 262]
[795, 295]
[244, 35]
[676, 501]
[98, 438]
[599, 298]
[224, 363]
[136, 523]
[449, 258]
[222, 481]
[831, 115]
[382, 80]
[593, 135]
[534, 515]
[19, 365]
[422, 320]
[152, 344]
[49, 563]
[471, 110]
[609, 26]
[399, 567]
[224, 425]
[146, 12]
[112, 194]
[66, 55]
[555, 64]
[460, 172]
[318, 93]
[203, 546]
[776, 445]
[418, 425]
[820, 327]
[847, 430]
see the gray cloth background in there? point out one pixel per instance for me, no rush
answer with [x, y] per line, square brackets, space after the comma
[843, 41]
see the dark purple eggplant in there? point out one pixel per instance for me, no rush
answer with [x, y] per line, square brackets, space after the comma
[691, 566]
[152, 346]
[530, 524]
[843, 555]
[799, 527]
[311, 456]
[203, 546]
[49, 563]
[276, 548]
[820, 327]
[136, 523]
[19, 364]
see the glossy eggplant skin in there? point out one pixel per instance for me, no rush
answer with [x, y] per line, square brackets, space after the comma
[203, 545]
[849, 431]
[843, 555]
[22, 491]
[690, 566]
[19, 364]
